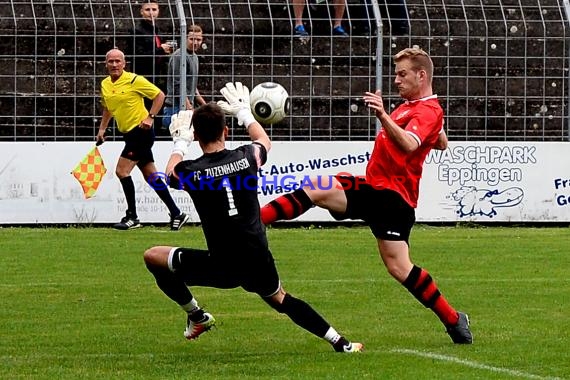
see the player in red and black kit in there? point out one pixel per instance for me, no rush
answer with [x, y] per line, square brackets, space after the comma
[387, 196]
[223, 187]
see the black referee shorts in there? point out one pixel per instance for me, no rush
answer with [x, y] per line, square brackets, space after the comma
[138, 145]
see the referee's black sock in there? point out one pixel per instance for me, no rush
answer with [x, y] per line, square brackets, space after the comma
[129, 190]
[162, 191]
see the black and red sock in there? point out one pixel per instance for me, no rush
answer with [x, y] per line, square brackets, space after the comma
[286, 207]
[424, 288]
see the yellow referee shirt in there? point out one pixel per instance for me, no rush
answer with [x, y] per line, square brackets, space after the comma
[124, 99]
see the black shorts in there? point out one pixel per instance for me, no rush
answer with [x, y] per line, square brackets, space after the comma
[255, 274]
[138, 145]
[384, 211]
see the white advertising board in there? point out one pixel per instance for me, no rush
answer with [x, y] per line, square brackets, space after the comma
[470, 181]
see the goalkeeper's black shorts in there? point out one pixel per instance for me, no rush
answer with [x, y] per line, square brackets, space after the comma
[255, 273]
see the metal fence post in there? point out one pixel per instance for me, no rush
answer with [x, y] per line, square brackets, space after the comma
[182, 44]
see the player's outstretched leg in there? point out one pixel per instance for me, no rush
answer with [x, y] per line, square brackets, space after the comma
[164, 263]
[306, 317]
[422, 286]
[286, 207]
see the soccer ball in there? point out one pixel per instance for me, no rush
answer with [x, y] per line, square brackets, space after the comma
[269, 102]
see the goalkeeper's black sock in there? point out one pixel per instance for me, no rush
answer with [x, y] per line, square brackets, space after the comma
[171, 284]
[162, 191]
[423, 287]
[129, 190]
[286, 207]
[303, 315]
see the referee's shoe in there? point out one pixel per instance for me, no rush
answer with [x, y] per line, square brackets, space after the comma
[177, 222]
[128, 222]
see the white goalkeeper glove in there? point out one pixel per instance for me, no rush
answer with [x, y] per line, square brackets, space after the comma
[237, 103]
[182, 131]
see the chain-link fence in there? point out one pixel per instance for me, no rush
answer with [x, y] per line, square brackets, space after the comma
[501, 66]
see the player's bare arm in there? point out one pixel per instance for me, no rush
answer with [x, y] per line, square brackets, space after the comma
[404, 140]
[258, 135]
[441, 143]
[172, 162]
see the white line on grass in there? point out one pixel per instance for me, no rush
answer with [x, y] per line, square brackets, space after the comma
[452, 359]
[472, 364]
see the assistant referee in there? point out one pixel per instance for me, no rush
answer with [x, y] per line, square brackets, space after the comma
[122, 98]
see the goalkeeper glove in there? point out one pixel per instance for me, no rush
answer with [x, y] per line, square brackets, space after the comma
[182, 131]
[237, 103]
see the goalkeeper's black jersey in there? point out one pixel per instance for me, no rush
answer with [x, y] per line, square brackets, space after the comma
[223, 187]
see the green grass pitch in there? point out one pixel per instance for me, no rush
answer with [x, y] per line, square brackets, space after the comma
[78, 303]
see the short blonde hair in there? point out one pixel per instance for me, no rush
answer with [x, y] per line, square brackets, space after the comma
[418, 57]
[194, 29]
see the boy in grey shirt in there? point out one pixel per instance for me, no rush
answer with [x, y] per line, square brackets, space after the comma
[172, 102]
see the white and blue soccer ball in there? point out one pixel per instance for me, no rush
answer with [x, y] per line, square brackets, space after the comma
[269, 102]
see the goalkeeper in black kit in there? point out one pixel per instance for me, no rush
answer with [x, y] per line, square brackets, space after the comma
[223, 187]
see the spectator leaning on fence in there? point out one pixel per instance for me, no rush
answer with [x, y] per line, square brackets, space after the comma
[122, 96]
[149, 50]
[172, 102]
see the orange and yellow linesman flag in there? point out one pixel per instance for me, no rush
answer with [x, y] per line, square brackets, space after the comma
[89, 172]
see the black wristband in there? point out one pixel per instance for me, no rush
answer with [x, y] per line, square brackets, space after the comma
[151, 115]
